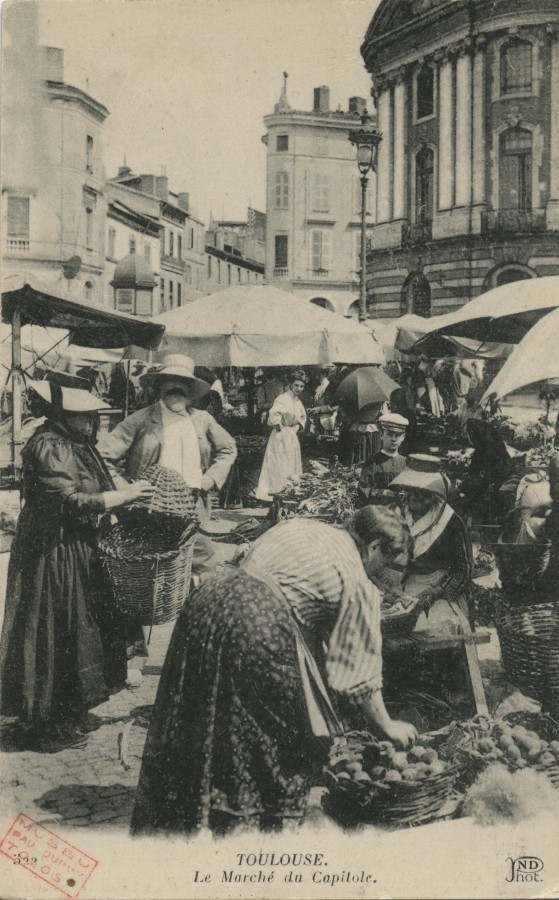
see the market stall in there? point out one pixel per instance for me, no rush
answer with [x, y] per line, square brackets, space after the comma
[28, 301]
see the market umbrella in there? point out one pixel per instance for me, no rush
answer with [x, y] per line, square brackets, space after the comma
[436, 345]
[535, 359]
[261, 325]
[364, 386]
[503, 315]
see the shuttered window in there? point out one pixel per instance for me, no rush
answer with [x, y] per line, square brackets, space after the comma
[18, 217]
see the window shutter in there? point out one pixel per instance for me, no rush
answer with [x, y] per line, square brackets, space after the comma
[18, 217]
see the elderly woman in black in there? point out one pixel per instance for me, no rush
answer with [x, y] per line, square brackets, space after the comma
[63, 646]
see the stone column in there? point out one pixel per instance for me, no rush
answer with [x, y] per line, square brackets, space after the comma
[478, 126]
[384, 165]
[553, 205]
[463, 143]
[446, 149]
[399, 211]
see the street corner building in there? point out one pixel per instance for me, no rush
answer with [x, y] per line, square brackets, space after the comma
[467, 95]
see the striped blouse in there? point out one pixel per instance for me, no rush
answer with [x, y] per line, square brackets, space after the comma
[319, 571]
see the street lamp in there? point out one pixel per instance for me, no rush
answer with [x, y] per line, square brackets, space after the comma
[366, 140]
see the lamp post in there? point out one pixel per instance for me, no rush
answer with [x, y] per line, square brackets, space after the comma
[366, 140]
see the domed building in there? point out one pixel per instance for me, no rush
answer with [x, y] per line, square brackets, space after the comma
[467, 95]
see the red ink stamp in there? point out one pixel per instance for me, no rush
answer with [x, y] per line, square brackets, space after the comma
[49, 857]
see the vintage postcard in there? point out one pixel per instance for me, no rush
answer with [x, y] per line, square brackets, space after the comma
[279, 449]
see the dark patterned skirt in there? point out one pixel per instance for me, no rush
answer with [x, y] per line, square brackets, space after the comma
[229, 741]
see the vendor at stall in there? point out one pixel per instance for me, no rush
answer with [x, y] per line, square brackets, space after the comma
[490, 466]
[63, 644]
[242, 706]
[381, 468]
[282, 459]
[440, 570]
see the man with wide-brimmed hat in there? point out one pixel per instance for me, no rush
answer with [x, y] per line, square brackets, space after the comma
[382, 467]
[171, 433]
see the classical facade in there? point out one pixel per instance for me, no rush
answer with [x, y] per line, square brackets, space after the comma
[53, 204]
[313, 201]
[235, 252]
[467, 96]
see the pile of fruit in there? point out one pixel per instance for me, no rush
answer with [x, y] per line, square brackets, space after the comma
[373, 765]
[326, 493]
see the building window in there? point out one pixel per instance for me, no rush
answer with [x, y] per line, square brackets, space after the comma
[516, 67]
[424, 182]
[219, 271]
[89, 291]
[132, 245]
[188, 274]
[281, 251]
[209, 267]
[89, 227]
[171, 294]
[111, 243]
[228, 273]
[320, 250]
[89, 153]
[162, 292]
[18, 223]
[282, 190]
[191, 238]
[179, 294]
[171, 243]
[282, 143]
[515, 169]
[425, 92]
[179, 246]
[321, 193]
[416, 295]
[147, 253]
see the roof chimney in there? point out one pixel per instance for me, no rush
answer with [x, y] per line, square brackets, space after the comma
[183, 200]
[162, 187]
[357, 105]
[52, 64]
[321, 99]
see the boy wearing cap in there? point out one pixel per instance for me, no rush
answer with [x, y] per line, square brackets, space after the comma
[380, 469]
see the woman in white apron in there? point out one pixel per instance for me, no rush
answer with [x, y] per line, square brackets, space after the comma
[282, 459]
[440, 571]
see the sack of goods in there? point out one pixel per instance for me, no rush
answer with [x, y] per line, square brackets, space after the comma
[148, 552]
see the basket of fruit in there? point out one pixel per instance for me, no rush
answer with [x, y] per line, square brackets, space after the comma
[370, 781]
[400, 617]
[518, 741]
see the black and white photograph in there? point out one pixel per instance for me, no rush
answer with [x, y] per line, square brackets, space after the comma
[279, 449]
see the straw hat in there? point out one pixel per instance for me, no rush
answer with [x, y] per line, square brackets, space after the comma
[68, 399]
[422, 473]
[393, 422]
[179, 368]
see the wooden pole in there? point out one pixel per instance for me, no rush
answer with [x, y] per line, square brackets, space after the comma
[17, 385]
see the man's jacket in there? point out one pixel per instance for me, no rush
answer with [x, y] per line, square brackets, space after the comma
[137, 442]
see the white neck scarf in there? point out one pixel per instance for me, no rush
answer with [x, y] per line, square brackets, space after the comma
[426, 530]
[180, 449]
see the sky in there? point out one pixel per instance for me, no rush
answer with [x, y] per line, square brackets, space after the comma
[187, 82]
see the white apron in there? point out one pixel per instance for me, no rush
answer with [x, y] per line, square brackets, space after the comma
[282, 459]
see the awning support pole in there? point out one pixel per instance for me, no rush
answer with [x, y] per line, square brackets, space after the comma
[17, 386]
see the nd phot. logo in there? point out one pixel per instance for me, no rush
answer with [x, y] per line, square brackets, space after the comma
[524, 868]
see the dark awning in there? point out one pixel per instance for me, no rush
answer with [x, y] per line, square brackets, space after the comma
[89, 325]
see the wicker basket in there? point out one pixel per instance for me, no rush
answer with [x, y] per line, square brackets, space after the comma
[397, 803]
[171, 499]
[149, 570]
[521, 569]
[472, 763]
[525, 636]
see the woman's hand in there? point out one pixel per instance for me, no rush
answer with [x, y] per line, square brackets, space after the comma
[278, 426]
[402, 733]
[137, 490]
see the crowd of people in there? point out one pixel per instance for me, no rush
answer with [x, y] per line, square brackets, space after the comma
[271, 659]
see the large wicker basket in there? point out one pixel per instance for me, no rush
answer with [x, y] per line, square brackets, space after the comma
[396, 803]
[525, 635]
[149, 569]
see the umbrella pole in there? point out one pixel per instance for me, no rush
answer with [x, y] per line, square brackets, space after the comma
[16, 391]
